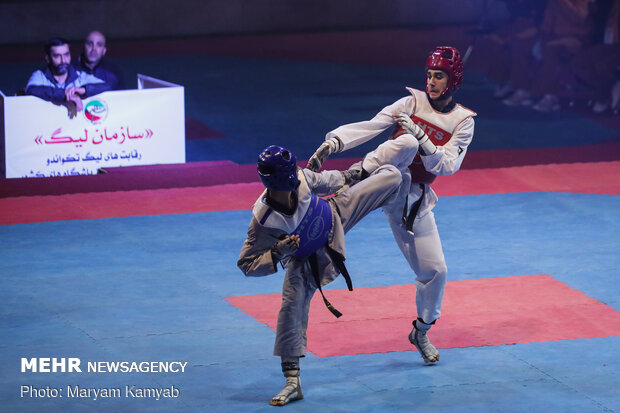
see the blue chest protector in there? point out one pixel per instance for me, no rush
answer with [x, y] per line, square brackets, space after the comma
[314, 228]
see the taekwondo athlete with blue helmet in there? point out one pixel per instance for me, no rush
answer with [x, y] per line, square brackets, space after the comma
[291, 224]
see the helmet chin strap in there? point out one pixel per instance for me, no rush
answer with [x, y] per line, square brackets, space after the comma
[446, 94]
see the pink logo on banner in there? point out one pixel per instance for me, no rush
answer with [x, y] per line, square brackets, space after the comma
[96, 111]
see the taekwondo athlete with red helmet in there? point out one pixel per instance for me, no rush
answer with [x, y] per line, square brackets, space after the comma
[434, 132]
[291, 224]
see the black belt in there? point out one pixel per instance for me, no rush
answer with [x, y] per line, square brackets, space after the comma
[338, 261]
[409, 218]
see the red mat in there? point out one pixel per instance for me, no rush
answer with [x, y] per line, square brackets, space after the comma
[592, 178]
[208, 173]
[482, 312]
[97, 205]
[589, 178]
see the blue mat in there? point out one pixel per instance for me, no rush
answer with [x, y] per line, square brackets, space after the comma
[152, 288]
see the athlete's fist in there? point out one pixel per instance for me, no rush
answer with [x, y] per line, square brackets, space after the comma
[285, 247]
[405, 121]
[320, 155]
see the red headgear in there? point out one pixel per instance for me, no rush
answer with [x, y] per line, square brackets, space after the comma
[448, 59]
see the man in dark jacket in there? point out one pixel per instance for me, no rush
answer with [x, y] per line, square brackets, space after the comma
[91, 61]
[59, 82]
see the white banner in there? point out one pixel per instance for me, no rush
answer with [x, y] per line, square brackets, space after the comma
[116, 128]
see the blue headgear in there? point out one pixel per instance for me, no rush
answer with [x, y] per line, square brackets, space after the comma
[277, 168]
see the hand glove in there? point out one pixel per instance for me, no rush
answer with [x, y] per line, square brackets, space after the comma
[285, 247]
[327, 148]
[405, 121]
[426, 145]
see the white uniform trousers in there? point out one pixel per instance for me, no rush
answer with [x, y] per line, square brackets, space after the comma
[422, 250]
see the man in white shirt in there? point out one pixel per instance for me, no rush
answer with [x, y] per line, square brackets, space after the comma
[430, 140]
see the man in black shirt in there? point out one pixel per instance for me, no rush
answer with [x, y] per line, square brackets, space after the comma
[91, 61]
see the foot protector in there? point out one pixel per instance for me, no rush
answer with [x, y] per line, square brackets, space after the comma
[354, 174]
[419, 339]
[290, 392]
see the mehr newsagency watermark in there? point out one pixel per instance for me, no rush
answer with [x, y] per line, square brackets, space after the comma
[74, 365]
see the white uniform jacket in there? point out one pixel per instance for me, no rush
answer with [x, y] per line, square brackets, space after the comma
[452, 132]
